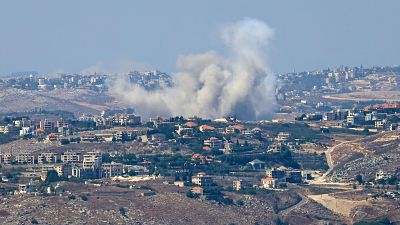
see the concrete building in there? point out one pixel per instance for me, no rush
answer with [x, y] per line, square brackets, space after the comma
[269, 182]
[126, 119]
[241, 184]
[26, 188]
[355, 119]
[47, 157]
[283, 136]
[276, 173]
[213, 142]
[70, 157]
[91, 160]
[25, 131]
[6, 158]
[111, 169]
[382, 175]
[256, 164]
[202, 179]
[25, 158]
[380, 123]
[276, 147]
[5, 129]
[47, 125]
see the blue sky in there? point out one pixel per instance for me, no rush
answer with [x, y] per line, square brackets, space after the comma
[49, 36]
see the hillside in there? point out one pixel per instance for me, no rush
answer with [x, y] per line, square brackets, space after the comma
[77, 101]
[366, 156]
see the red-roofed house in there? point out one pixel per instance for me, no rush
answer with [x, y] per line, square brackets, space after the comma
[190, 124]
[206, 148]
[197, 190]
[206, 128]
[197, 156]
[52, 137]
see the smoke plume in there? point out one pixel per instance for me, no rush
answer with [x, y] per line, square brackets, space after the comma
[211, 85]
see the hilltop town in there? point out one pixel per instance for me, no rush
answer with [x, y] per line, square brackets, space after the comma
[330, 149]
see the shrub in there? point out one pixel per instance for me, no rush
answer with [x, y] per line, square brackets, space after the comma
[122, 211]
[84, 198]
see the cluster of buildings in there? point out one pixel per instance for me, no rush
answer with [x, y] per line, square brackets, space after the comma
[378, 116]
[300, 87]
[151, 80]
[284, 140]
[36, 127]
[32, 81]
[318, 95]
[53, 129]
[276, 176]
[118, 119]
[88, 165]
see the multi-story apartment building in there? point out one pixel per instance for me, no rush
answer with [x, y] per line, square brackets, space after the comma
[202, 179]
[47, 157]
[47, 125]
[6, 158]
[25, 158]
[70, 157]
[91, 160]
[111, 169]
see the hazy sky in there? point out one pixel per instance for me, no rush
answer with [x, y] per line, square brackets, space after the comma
[50, 36]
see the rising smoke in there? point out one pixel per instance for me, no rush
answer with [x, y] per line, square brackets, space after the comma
[213, 86]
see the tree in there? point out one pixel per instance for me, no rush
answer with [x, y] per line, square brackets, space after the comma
[122, 210]
[52, 176]
[84, 198]
[106, 158]
[359, 179]
[240, 202]
[392, 180]
[190, 194]
[381, 181]
[64, 141]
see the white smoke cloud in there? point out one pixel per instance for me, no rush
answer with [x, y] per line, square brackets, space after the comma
[212, 86]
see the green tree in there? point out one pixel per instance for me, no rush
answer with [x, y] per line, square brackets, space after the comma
[106, 158]
[392, 180]
[84, 198]
[359, 179]
[52, 176]
[240, 202]
[122, 211]
[64, 141]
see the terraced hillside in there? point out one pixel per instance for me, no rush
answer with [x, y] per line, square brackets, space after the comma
[366, 156]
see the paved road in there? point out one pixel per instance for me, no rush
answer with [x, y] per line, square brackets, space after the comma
[328, 154]
[304, 200]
